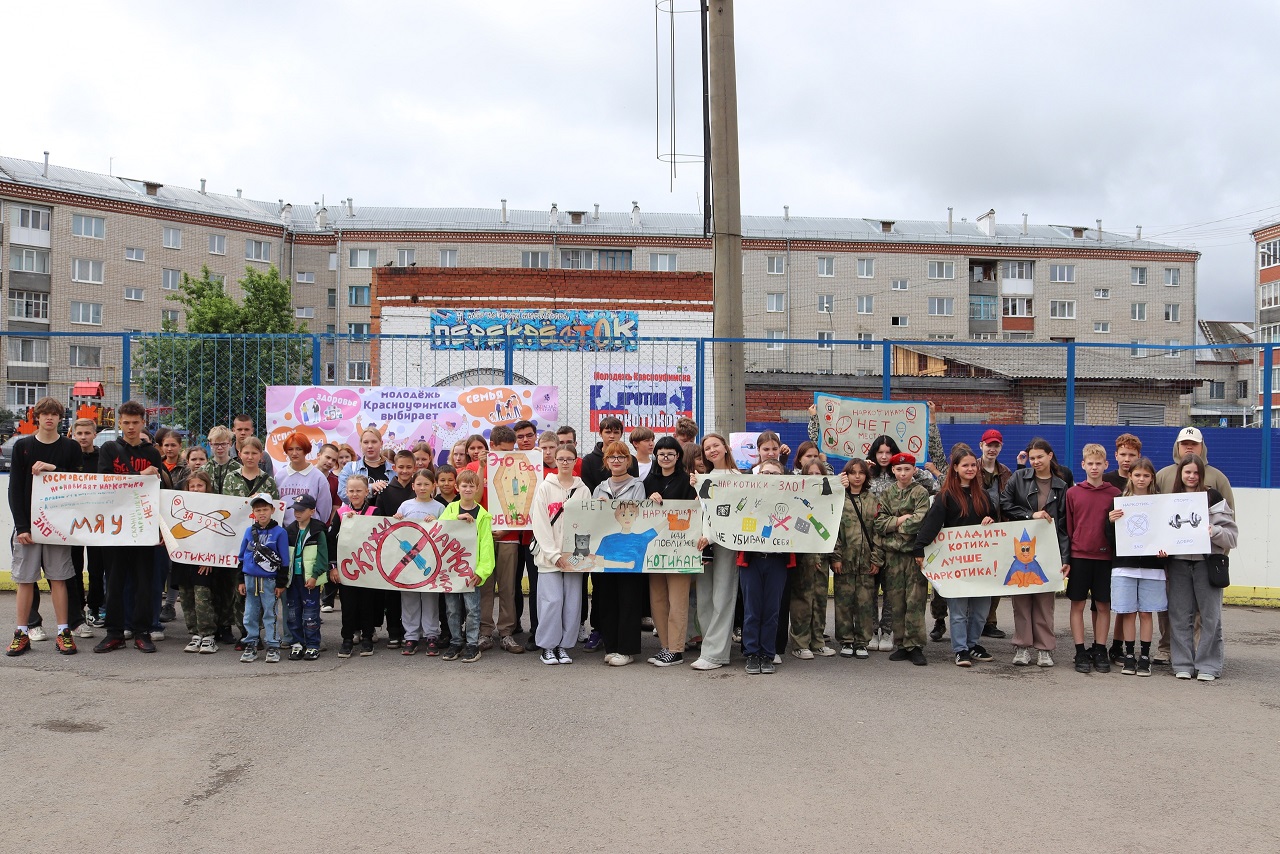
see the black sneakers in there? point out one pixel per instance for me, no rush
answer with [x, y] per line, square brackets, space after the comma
[990, 630]
[753, 665]
[962, 659]
[1130, 666]
[348, 647]
[1084, 661]
[767, 666]
[917, 657]
[939, 629]
[900, 654]
[978, 652]
[1144, 665]
[1101, 661]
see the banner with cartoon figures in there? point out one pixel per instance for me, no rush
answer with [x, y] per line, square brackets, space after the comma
[1001, 559]
[206, 529]
[75, 509]
[771, 512]
[392, 554]
[510, 479]
[652, 396]
[405, 416]
[1177, 524]
[632, 536]
[743, 448]
[847, 425]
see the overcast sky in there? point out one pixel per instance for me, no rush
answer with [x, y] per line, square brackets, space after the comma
[1160, 114]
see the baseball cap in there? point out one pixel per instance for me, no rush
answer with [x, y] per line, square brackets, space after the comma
[304, 501]
[1190, 434]
[992, 436]
[260, 499]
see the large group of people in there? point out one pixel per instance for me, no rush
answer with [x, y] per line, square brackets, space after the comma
[276, 600]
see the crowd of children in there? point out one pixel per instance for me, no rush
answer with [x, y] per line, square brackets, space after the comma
[286, 579]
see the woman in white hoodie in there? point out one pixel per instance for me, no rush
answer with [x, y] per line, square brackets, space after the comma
[559, 597]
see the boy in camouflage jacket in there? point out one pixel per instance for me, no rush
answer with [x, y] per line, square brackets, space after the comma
[856, 561]
[901, 511]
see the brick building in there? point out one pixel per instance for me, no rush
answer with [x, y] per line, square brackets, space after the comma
[1267, 318]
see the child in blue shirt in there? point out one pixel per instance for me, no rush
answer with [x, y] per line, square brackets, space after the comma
[264, 573]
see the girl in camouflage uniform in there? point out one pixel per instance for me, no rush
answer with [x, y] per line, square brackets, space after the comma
[808, 600]
[195, 587]
[901, 510]
[856, 563]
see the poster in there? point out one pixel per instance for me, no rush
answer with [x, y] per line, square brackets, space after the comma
[391, 554]
[206, 529]
[772, 512]
[632, 536]
[846, 425]
[404, 415]
[1177, 524]
[1001, 559]
[743, 448]
[86, 509]
[650, 396]
[534, 329]
[510, 479]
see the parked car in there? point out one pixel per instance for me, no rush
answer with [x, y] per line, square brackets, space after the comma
[6, 451]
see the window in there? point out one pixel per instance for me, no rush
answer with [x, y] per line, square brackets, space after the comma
[1269, 254]
[83, 356]
[866, 268]
[86, 312]
[1102, 327]
[1062, 309]
[1138, 311]
[331, 296]
[29, 351]
[406, 257]
[941, 336]
[304, 312]
[942, 270]
[84, 270]
[1064, 273]
[1172, 277]
[1217, 390]
[448, 257]
[36, 219]
[257, 250]
[172, 237]
[826, 266]
[330, 372]
[535, 260]
[333, 260]
[900, 320]
[22, 395]
[615, 259]
[132, 254]
[662, 261]
[361, 258]
[1139, 414]
[306, 278]
[824, 340]
[24, 260]
[1016, 306]
[899, 284]
[1102, 293]
[866, 304]
[88, 226]
[1269, 295]
[577, 259]
[776, 265]
[1018, 269]
[826, 303]
[983, 336]
[1172, 343]
[1242, 387]
[218, 279]
[865, 339]
[941, 306]
[1018, 336]
[134, 294]
[1134, 349]
[330, 329]
[169, 317]
[1137, 275]
[358, 372]
[358, 295]
[982, 307]
[218, 244]
[357, 329]
[775, 337]
[775, 302]
[1173, 312]
[28, 305]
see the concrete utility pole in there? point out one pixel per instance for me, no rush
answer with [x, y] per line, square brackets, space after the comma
[727, 363]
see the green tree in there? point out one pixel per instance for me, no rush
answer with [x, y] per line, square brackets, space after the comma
[231, 352]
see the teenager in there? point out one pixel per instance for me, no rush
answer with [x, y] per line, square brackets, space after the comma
[995, 475]
[642, 439]
[619, 596]
[559, 591]
[717, 586]
[1137, 582]
[1087, 507]
[526, 440]
[222, 462]
[458, 455]
[501, 585]
[669, 592]
[901, 510]
[805, 591]
[247, 480]
[299, 477]
[370, 464]
[395, 493]
[855, 563]
[762, 576]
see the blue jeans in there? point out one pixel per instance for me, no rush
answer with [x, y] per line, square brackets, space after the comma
[762, 580]
[968, 616]
[455, 604]
[260, 605]
[304, 613]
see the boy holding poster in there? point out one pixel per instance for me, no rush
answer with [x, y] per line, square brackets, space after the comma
[309, 548]
[1087, 507]
[468, 510]
[903, 504]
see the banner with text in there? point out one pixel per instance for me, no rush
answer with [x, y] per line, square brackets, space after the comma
[1177, 524]
[1001, 559]
[389, 554]
[206, 529]
[534, 329]
[650, 396]
[632, 536]
[510, 478]
[772, 512]
[847, 425]
[75, 509]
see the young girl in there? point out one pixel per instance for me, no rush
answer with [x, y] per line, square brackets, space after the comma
[559, 592]
[763, 576]
[769, 449]
[194, 588]
[963, 502]
[1137, 582]
[420, 612]
[1190, 594]
[717, 586]
[898, 517]
[669, 592]
[641, 440]
[458, 455]
[477, 448]
[346, 454]
[856, 562]
[361, 606]
[807, 603]
[193, 460]
[250, 479]
[807, 455]
[423, 457]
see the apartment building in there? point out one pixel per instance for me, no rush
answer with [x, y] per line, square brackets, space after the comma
[1267, 302]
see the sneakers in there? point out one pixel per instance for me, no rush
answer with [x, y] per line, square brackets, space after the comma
[486, 644]
[802, 654]
[451, 653]
[846, 650]
[769, 665]
[962, 659]
[753, 665]
[84, 630]
[310, 654]
[433, 646]
[37, 634]
[917, 657]
[873, 645]
[861, 652]
[992, 631]
[21, 643]
[208, 645]
[593, 641]
[193, 645]
[273, 655]
[978, 652]
[1044, 659]
[64, 642]
[777, 659]
[410, 648]
[620, 660]
[1182, 674]
[1101, 662]
[167, 614]
[1084, 662]
[825, 652]
[1116, 654]
[1160, 660]
[562, 656]
[249, 654]
[348, 647]
[510, 644]
[1205, 677]
[1130, 666]
[583, 633]
[366, 647]
[704, 664]
[1021, 657]
[900, 654]
[736, 637]
[97, 620]
[295, 652]
[157, 635]
[939, 629]
[886, 642]
[326, 609]
[667, 658]
[471, 652]
[143, 643]
[1144, 665]
[128, 634]
[530, 643]
[394, 643]
[548, 656]
[107, 644]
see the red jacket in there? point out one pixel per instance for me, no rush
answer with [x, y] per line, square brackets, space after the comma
[1086, 509]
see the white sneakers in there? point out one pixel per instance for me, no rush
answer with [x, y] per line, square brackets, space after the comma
[703, 664]
[886, 642]
[825, 652]
[1021, 657]
[37, 633]
[1044, 659]
[194, 644]
[583, 633]
[802, 654]
[1182, 674]
[208, 645]
[1205, 677]
[84, 631]
[617, 659]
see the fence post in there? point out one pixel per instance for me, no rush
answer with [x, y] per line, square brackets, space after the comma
[699, 371]
[1069, 434]
[508, 359]
[1268, 366]
[315, 360]
[886, 369]
[126, 366]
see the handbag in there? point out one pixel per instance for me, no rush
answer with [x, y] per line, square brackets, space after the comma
[1219, 567]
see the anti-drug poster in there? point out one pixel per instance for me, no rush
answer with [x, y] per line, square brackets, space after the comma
[847, 425]
[772, 512]
[75, 509]
[404, 416]
[510, 478]
[206, 529]
[1177, 524]
[392, 554]
[632, 536]
[1002, 559]
[743, 448]
[652, 396]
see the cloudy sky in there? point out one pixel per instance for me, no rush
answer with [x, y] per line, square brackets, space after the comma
[1160, 114]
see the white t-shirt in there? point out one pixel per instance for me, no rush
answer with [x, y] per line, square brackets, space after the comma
[415, 509]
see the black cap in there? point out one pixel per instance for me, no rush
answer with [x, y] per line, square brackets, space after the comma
[304, 500]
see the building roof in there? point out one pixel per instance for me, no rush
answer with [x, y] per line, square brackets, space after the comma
[1227, 332]
[301, 218]
[1092, 363]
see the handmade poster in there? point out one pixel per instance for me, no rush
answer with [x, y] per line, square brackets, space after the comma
[510, 478]
[847, 425]
[1177, 524]
[86, 509]
[569, 329]
[206, 529]
[650, 396]
[632, 536]
[1001, 559]
[404, 416]
[392, 554]
[743, 448]
[772, 512]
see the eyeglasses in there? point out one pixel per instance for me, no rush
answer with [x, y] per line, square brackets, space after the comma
[220, 444]
[616, 458]
[668, 455]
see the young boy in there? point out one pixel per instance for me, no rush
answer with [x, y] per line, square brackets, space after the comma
[309, 567]
[902, 507]
[506, 545]
[264, 574]
[222, 462]
[467, 509]
[1087, 507]
[1128, 450]
[43, 452]
[398, 490]
[420, 611]
[446, 485]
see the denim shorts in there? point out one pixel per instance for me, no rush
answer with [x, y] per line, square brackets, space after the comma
[1130, 595]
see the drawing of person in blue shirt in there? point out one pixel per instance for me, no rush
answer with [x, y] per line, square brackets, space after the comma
[624, 551]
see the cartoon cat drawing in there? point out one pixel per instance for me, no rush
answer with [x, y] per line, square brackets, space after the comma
[1025, 570]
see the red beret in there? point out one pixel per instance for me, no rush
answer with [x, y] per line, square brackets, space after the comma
[899, 459]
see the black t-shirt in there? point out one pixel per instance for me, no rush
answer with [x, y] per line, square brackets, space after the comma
[377, 472]
[1116, 479]
[474, 512]
[62, 452]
